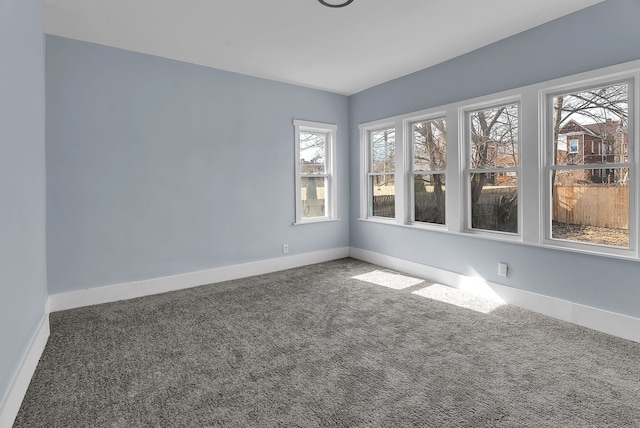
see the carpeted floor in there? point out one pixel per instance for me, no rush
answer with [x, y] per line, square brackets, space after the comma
[315, 346]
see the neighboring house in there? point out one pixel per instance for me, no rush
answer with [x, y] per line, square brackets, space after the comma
[593, 143]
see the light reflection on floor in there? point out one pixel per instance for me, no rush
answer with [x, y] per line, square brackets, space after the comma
[434, 291]
[463, 299]
[389, 279]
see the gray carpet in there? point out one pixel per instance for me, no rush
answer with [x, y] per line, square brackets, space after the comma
[315, 347]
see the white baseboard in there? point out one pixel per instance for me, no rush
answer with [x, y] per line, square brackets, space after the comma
[612, 323]
[13, 399]
[130, 290]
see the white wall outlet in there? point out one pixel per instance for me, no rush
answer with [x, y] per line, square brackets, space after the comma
[503, 269]
[285, 248]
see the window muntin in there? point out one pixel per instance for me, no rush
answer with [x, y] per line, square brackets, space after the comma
[590, 204]
[381, 176]
[429, 164]
[315, 171]
[492, 168]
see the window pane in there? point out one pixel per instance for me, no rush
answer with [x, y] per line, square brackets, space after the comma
[494, 137]
[312, 153]
[428, 197]
[591, 205]
[383, 195]
[494, 201]
[383, 150]
[429, 145]
[313, 196]
[591, 126]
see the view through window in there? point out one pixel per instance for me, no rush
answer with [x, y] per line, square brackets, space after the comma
[429, 166]
[590, 166]
[382, 175]
[493, 168]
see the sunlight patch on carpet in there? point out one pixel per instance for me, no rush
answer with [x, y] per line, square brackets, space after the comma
[458, 298]
[389, 279]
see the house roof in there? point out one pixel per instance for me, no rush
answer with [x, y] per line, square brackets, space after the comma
[595, 129]
[609, 127]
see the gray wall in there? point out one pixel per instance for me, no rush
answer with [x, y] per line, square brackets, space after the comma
[157, 167]
[602, 35]
[23, 289]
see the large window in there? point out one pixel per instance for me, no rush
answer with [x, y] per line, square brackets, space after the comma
[589, 178]
[553, 163]
[315, 171]
[492, 168]
[429, 164]
[381, 175]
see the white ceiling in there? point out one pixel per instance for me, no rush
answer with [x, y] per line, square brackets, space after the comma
[342, 50]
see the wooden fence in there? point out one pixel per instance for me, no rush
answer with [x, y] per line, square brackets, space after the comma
[589, 205]
[384, 206]
[313, 208]
[603, 206]
[497, 209]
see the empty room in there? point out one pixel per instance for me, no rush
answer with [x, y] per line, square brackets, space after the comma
[307, 213]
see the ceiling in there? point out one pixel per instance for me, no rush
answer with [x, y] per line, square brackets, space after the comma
[342, 50]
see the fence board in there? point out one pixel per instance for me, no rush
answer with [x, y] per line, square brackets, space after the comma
[602, 206]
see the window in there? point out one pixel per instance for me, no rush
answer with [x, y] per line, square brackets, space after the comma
[315, 171]
[429, 164]
[461, 168]
[573, 146]
[589, 199]
[491, 174]
[381, 176]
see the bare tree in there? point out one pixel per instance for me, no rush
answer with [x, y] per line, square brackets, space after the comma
[494, 144]
[383, 150]
[312, 161]
[430, 155]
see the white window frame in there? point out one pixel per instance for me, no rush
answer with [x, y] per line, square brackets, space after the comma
[467, 170]
[533, 185]
[366, 192]
[632, 78]
[331, 189]
[408, 147]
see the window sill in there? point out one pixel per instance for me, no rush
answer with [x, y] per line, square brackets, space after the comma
[380, 220]
[315, 221]
[620, 254]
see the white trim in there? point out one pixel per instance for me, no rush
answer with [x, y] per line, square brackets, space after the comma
[366, 164]
[330, 175]
[13, 399]
[131, 290]
[314, 220]
[630, 76]
[400, 181]
[408, 170]
[601, 320]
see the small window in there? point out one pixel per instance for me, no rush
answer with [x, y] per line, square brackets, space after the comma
[589, 204]
[573, 146]
[493, 168]
[429, 150]
[381, 172]
[315, 171]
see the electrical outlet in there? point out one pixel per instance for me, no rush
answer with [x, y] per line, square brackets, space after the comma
[285, 248]
[503, 269]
